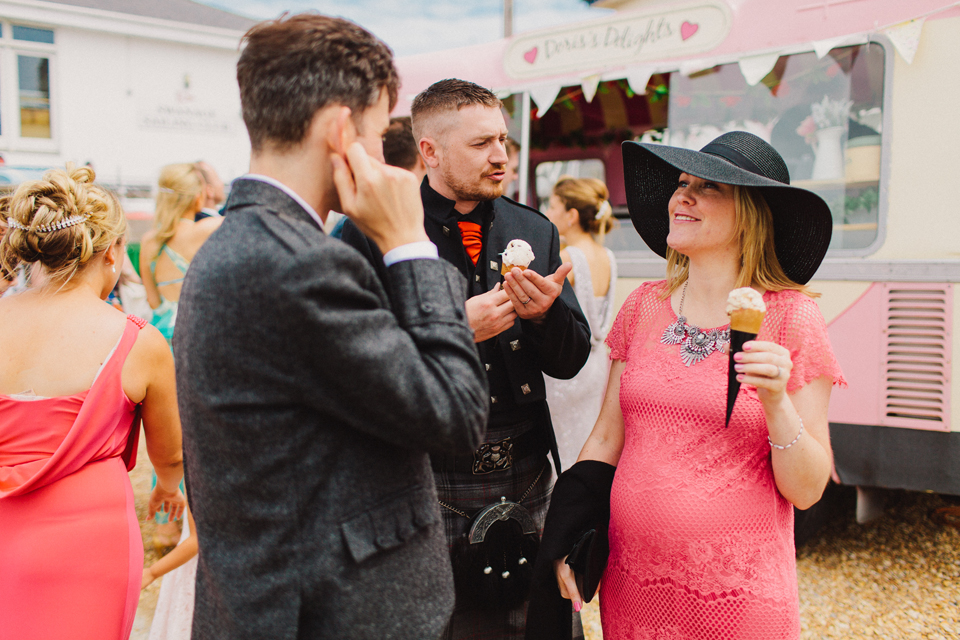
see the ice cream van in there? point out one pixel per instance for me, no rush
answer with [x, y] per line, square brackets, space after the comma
[862, 99]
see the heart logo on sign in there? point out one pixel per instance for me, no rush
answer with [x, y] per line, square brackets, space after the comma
[531, 56]
[687, 29]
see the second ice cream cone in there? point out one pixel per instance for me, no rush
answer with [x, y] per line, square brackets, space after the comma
[505, 268]
[737, 340]
[747, 320]
[746, 310]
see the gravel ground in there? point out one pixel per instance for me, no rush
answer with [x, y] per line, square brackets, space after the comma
[140, 479]
[896, 577]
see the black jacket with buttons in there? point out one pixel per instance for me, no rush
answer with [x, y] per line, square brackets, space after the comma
[517, 358]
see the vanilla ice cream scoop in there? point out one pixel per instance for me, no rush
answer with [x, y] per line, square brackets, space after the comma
[746, 310]
[517, 254]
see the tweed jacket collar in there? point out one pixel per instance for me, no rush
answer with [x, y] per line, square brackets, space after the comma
[250, 191]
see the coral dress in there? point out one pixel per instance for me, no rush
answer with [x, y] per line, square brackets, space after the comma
[71, 555]
[701, 541]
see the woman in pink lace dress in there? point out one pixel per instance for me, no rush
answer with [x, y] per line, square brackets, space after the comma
[74, 373]
[701, 516]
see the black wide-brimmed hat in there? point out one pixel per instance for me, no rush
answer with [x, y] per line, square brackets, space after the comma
[802, 224]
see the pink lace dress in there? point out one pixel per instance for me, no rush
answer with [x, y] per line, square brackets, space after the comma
[701, 541]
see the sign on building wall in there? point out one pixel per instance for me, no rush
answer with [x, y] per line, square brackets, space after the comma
[622, 40]
[184, 112]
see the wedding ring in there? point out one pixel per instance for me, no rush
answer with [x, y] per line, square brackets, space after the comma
[526, 302]
[779, 371]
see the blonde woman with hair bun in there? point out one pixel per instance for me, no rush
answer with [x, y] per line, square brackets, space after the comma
[166, 250]
[580, 209]
[76, 378]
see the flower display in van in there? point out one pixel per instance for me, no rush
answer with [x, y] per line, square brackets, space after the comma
[831, 113]
[823, 115]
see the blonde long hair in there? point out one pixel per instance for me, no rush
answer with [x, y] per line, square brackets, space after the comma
[758, 256]
[179, 187]
[69, 220]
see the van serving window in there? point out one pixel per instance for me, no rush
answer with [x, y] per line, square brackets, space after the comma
[823, 115]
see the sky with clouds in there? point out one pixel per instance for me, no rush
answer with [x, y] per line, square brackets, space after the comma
[421, 26]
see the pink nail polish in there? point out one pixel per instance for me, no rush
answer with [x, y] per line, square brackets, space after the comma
[577, 606]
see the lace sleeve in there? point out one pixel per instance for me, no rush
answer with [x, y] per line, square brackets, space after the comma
[803, 331]
[625, 326]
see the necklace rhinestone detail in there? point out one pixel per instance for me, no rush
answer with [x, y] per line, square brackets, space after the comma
[695, 344]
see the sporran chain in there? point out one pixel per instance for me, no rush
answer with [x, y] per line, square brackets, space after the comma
[522, 498]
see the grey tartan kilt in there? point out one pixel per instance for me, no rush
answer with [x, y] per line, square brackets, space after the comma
[470, 493]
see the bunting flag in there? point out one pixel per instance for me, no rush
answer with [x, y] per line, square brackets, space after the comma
[756, 68]
[544, 96]
[589, 86]
[690, 67]
[638, 79]
[823, 47]
[906, 38]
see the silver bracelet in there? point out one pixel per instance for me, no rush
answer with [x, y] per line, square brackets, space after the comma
[787, 446]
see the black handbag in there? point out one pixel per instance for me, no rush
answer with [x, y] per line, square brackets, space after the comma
[493, 562]
[588, 559]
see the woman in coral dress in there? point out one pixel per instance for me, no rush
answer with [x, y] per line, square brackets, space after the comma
[74, 374]
[701, 515]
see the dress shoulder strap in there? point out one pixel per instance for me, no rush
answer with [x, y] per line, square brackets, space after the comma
[114, 363]
[181, 263]
[178, 260]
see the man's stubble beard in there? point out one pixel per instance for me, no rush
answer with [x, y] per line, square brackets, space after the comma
[471, 192]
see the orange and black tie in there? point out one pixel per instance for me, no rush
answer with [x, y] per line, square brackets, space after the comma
[472, 239]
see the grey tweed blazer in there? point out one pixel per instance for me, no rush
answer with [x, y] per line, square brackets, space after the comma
[311, 395]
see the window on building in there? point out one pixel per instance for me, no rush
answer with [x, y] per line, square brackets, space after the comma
[32, 34]
[26, 75]
[34, 85]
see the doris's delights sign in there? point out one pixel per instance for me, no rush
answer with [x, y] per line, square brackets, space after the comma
[623, 39]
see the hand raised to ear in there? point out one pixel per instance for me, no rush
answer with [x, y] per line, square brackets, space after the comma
[383, 201]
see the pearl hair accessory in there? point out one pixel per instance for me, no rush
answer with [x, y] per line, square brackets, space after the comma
[47, 228]
[604, 210]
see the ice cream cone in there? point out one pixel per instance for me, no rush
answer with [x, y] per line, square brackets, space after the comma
[747, 320]
[517, 254]
[746, 310]
[737, 340]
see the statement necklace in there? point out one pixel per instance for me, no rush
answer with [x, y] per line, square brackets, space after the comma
[695, 345]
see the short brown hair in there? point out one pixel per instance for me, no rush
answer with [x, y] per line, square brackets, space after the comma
[399, 145]
[449, 95]
[294, 66]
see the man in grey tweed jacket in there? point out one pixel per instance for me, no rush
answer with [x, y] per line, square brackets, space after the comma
[311, 393]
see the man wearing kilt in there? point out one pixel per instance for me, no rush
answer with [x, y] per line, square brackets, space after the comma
[526, 323]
